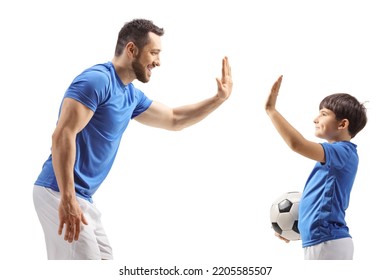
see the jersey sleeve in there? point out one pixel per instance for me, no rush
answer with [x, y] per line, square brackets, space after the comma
[89, 88]
[337, 154]
[143, 103]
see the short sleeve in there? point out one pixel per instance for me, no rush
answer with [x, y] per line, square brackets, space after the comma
[143, 102]
[89, 88]
[337, 154]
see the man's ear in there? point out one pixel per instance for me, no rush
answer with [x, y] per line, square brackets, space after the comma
[131, 49]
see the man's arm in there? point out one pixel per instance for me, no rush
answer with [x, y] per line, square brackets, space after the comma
[161, 116]
[73, 118]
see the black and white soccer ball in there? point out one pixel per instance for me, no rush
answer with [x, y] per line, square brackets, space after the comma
[284, 215]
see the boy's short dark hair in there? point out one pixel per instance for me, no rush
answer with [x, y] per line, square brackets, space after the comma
[136, 31]
[346, 106]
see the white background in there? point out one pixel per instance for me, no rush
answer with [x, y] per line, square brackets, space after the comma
[198, 198]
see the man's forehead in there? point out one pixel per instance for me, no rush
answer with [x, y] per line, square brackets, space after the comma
[154, 42]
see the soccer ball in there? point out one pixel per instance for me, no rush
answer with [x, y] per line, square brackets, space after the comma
[284, 215]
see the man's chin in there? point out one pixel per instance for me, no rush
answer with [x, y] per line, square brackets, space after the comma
[144, 81]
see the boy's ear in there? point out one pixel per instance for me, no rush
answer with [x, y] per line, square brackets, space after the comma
[343, 124]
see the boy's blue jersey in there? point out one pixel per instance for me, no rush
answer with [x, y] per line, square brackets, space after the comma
[114, 105]
[325, 197]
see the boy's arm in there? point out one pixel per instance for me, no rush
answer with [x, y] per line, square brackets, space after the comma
[290, 135]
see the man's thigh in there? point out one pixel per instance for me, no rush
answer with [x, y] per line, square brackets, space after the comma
[92, 243]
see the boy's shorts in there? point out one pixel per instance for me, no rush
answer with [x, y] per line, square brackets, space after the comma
[337, 249]
[92, 243]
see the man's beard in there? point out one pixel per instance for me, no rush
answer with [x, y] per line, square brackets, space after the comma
[139, 71]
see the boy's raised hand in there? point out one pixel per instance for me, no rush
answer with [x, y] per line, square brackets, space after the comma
[271, 101]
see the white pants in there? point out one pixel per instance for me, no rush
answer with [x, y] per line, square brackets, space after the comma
[92, 243]
[337, 249]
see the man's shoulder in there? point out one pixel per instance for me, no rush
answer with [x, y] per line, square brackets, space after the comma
[98, 74]
[99, 69]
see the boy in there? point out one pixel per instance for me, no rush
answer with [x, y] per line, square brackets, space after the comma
[325, 198]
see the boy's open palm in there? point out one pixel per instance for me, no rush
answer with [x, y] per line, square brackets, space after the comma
[271, 101]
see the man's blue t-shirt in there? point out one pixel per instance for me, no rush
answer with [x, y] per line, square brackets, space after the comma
[325, 197]
[114, 105]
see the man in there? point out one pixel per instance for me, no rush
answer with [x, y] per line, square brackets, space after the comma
[94, 113]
